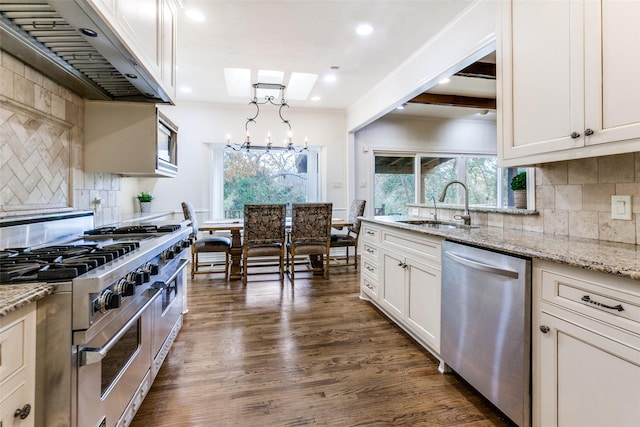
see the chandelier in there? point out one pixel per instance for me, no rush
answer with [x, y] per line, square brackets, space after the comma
[268, 99]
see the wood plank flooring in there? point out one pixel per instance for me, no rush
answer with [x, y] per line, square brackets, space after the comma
[313, 353]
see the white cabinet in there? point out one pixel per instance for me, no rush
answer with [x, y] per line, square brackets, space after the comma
[567, 88]
[17, 367]
[404, 279]
[148, 28]
[586, 344]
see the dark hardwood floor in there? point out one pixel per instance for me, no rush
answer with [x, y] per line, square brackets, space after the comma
[270, 354]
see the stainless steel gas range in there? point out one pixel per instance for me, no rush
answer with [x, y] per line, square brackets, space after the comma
[114, 313]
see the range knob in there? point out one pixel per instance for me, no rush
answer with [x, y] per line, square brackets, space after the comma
[168, 254]
[125, 287]
[177, 248]
[152, 268]
[107, 301]
[137, 277]
[185, 243]
[146, 276]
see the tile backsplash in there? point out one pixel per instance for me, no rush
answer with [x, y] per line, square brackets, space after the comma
[41, 151]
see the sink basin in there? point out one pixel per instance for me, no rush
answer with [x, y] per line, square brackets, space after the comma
[429, 223]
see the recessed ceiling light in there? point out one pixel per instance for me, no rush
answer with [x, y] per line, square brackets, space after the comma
[330, 78]
[315, 98]
[185, 89]
[194, 15]
[444, 81]
[401, 106]
[364, 29]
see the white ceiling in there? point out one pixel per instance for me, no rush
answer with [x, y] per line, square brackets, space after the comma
[308, 36]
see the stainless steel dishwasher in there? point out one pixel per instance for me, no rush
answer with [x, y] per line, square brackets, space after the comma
[486, 325]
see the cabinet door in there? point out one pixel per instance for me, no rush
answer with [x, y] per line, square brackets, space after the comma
[612, 70]
[585, 378]
[423, 302]
[541, 86]
[167, 46]
[393, 284]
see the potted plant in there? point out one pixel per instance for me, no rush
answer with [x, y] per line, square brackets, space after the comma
[519, 187]
[145, 201]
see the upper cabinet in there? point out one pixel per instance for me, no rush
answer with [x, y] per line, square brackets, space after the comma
[567, 89]
[148, 27]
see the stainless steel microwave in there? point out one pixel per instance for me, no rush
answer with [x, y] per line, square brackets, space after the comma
[167, 146]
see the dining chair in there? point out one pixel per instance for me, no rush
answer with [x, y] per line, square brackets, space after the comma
[264, 236]
[310, 234]
[206, 244]
[350, 238]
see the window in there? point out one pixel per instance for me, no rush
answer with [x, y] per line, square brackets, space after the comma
[394, 184]
[488, 185]
[260, 176]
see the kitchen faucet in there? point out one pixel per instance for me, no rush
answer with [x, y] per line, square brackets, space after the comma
[466, 217]
[435, 208]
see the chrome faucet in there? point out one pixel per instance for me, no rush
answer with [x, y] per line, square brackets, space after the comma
[435, 208]
[466, 217]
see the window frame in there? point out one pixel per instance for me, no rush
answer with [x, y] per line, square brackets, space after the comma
[216, 177]
[462, 176]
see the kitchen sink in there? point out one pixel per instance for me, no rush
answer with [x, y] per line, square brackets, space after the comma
[430, 223]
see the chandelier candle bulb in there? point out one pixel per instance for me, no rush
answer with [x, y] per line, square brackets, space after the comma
[248, 136]
[228, 140]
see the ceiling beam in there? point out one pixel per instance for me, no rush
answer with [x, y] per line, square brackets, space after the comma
[455, 101]
[479, 70]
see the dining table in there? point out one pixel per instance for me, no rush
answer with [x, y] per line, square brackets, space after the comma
[235, 226]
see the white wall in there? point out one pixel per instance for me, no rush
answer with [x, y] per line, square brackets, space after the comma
[200, 124]
[427, 135]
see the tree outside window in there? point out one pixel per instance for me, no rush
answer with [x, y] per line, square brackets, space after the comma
[259, 176]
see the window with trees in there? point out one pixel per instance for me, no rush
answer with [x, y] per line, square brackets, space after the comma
[395, 183]
[267, 176]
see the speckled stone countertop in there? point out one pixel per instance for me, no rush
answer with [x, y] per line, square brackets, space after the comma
[606, 257]
[13, 297]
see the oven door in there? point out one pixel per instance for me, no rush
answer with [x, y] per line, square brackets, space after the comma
[114, 366]
[167, 315]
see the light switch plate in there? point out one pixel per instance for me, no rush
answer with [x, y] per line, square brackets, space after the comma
[621, 207]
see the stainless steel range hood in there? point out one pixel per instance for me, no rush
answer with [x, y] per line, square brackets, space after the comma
[68, 42]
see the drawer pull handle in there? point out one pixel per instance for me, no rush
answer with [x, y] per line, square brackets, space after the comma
[544, 329]
[371, 268]
[22, 412]
[586, 298]
[371, 251]
[371, 233]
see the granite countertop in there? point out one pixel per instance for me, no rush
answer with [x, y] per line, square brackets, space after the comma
[13, 297]
[607, 257]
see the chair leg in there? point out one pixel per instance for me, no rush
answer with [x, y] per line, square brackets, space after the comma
[326, 266]
[245, 266]
[226, 265]
[355, 257]
[194, 261]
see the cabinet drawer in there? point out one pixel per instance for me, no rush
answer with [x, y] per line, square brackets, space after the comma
[12, 349]
[370, 251]
[370, 268]
[370, 233]
[607, 298]
[427, 249]
[369, 286]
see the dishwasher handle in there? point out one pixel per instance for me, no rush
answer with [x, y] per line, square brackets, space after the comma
[482, 266]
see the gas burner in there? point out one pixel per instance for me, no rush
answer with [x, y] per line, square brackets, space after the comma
[134, 229]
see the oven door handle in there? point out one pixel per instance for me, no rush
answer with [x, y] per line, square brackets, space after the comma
[91, 355]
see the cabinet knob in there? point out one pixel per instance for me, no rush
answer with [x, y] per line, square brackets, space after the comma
[544, 329]
[575, 135]
[588, 132]
[23, 412]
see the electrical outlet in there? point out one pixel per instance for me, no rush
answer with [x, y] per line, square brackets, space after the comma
[621, 207]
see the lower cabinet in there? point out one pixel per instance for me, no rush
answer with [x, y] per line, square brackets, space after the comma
[401, 274]
[586, 343]
[17, 367]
